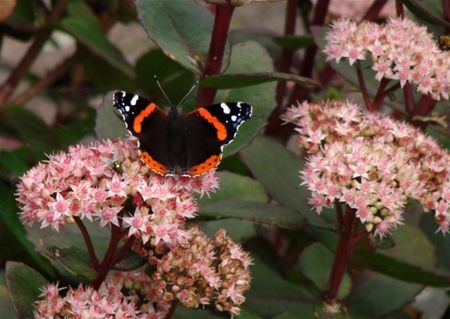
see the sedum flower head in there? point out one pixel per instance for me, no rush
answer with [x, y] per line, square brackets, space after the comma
[122, 295]
[371, 163]
[107, 182]
[201, 272]
[401, 50]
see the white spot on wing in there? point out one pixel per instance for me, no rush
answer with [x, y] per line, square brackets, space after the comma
[233, 118]
[225, 108]
[134, 99]
[127, 108]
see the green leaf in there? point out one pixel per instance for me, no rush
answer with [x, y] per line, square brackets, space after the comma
[441, 243]
[174, 78]
[412, 247]
[15, 161]
[238, 230]
[107, 122]
[237, 80]
[181, 28]
[74, 260]
[271, 295]
[260, 213]
[74, 131]
[401, 270]
[294, 42]
[249, 57]
[282, 180]
[6, 307]
[33, 131]
[10, 219]
[235, 187]
[316, 262]
[23, 286]
[89, 33]
[424, 13]
[378, 295]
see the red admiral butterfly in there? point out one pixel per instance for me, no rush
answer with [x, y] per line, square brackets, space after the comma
[187, 145]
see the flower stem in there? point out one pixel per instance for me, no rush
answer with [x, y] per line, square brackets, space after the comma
[88, 241]
[222, 19]
[399, 8]
[172, 309]
[8, 87]
[348, 238]
[374, 10]
[409, 99]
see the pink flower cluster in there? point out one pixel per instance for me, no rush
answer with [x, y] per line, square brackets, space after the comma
[98, 181]
[122, 295]
[201, 272]
[371, 163]
[400, 50]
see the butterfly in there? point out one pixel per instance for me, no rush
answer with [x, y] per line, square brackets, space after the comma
[174, 144]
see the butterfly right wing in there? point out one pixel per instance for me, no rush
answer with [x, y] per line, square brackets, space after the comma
[145, 120]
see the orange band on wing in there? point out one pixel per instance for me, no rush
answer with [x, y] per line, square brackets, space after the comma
[221, 129]
[137, 124]
[152, 164]
[206, 166]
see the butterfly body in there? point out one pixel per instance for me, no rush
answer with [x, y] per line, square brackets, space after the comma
[187, 145]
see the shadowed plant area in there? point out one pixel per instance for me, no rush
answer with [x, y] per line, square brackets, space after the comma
[225, 159]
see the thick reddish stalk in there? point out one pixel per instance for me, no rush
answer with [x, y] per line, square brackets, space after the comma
[223, 14]
[409, 99]
[374, 10]
[88, 241]
[399, 8]
[348, 238]
[8, 87]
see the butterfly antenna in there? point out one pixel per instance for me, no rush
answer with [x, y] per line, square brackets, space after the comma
[188, 93]
[162, 90]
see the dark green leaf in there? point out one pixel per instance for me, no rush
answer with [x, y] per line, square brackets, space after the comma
[88, 33]
[74, 260]
[23, 287]
[181, 28]
[412, 247]
[238, 230]
[237, 80]
[6, 307]
[423, 12]
[378, 295]
[316, 262]
[441, 243]
[15, 161]
[249, 57]
[10, 219]
[399, 269]
[235, 187]
[30, 127]
[269, 214]
[174, 78]
[271, 295]
[282, 180]
[74, 131]
[108, 123]
[294, 42]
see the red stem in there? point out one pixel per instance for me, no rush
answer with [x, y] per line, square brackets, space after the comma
[446, 9]
[348, 238]
[105, 266]
[363, 88]
[223, 14]
[172, 309]
[88, 241]
[374, 10]
[409, 100]
[125, 248]
[287, 54]
[399, 8]
[8, 87]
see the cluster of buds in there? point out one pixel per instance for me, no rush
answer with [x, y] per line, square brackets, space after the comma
[400, 50]
[106, 181]
[121, 295]
[371, 163]
[202, 272]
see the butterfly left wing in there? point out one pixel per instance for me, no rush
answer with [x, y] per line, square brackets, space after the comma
[208, 129]
[145, 120]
